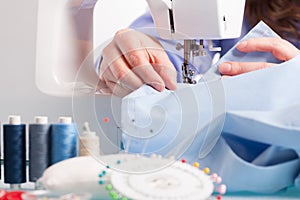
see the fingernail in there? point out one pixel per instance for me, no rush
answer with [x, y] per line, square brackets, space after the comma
[225, 67]
[242, 44]
[158, 86]
[171, 87]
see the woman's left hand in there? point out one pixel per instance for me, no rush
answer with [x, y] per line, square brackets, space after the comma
[280, 48]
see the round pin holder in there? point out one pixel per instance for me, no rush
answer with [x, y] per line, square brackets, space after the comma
[179, 181]
[175, 180]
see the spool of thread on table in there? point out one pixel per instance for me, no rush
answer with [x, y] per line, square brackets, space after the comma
[64, 140]
[14, 147]
[89, 142]
[39, 147]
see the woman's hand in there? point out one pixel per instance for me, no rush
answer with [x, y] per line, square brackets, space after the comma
[132, 59]
[280, 48]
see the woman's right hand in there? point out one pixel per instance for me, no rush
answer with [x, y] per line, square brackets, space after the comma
[132, 59]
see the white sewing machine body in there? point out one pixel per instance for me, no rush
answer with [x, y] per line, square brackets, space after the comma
[194, 20]
[58, 40]
[198, 19]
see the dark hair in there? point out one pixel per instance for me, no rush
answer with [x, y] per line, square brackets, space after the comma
[283, 16]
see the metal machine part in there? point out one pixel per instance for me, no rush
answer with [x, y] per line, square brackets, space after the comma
[194, 21]
[191, 48]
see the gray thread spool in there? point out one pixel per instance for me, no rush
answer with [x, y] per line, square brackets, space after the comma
[39, 147]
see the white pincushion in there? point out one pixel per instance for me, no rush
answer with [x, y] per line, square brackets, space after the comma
[132, 176]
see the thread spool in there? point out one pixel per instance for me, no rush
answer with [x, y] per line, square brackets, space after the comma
[64, 140]
[39, 147]
[14, 148]
[89, 142]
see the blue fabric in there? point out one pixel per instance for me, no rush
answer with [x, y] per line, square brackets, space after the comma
[258, 150]
[266, 112]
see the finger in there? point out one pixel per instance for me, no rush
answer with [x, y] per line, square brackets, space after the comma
[118, 71]
[139, 58]
[102, 87]
[130, 40]
[117, 89]
[102, 69]
[225, 76]
[168, 74]
[142, 67]
[108, 76]
[114, 86]
[110, 53]
[281, 49]
[131, 47]
[115, 68]
[235, 68]
[149, 76]
[164, 67]
[112, 82]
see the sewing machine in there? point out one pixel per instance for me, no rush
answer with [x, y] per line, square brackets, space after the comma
[56, 66]
[195, 21]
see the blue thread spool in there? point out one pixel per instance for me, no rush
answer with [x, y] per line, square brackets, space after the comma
[39, 147]
[64, 140]
[14, 147]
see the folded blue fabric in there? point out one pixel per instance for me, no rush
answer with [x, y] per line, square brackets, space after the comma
[257, 115]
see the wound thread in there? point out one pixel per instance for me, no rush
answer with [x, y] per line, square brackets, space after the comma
[89, 144]
[14, 147]
[64, 139]
[39, 148]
